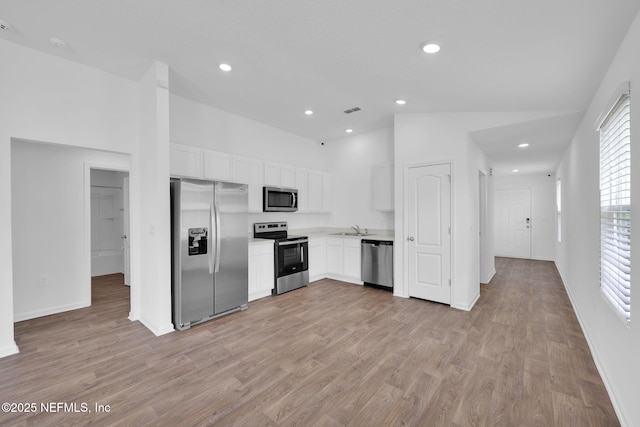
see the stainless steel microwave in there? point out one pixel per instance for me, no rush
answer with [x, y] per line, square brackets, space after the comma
[278, 199]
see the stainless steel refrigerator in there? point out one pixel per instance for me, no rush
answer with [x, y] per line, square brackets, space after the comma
[209, 250]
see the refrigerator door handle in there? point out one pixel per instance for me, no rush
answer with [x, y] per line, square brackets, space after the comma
[209, 242]
[217, 217]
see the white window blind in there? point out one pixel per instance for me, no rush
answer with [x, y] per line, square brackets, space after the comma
[615, 207]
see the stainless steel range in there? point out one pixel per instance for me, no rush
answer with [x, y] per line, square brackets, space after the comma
[290, 255]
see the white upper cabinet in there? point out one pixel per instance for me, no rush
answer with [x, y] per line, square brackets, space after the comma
[320, 191]
[327, 192]
[255, 181]
[278, 175]
[185, 161]
[315, 191]
[315, 188]
[302, 184]
[271, 174]
[240, 170]
[382, 185]
[287, 176]
[217, 166]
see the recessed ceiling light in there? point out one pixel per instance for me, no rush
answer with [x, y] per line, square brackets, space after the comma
[308, 112]
[523, 145]
[515, 170]
[60, 44]
[429, 47]
[349, 130]
[225, 67]
[4, 25]
[400, 101]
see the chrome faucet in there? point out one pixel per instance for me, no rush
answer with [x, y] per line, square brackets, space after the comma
[357, 229]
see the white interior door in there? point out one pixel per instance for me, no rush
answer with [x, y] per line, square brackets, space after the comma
[429, 232]
[125, 237]
[513, 223]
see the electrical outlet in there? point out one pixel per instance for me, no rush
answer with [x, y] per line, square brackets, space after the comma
[44, 280]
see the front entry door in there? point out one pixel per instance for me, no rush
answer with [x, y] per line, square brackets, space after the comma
[429, 232]
[513, 223]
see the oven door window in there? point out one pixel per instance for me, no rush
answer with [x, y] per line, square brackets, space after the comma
[292, 258]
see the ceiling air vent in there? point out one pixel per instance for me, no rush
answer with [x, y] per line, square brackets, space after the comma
[352, 110]
[4, 25]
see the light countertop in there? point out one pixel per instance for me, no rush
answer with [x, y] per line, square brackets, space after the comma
[387, 235]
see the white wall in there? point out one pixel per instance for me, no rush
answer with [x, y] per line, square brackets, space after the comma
[615, 346]
[444, 138]
[543, 210]
[48, 210]
[352, 160]
[49, 99]
[206, 127]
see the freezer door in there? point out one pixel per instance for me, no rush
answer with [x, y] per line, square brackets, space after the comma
[193, 278]
[231, 246]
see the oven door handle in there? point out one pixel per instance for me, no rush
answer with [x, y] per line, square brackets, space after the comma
[291, 242]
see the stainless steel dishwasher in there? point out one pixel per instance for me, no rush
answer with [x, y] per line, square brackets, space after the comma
[377, 263]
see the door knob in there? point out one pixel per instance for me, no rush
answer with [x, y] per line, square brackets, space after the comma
[410, 239]
[124, 236]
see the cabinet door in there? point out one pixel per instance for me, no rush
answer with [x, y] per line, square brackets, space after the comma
[302, 184]
[352, 262]
[185, 161]
[217, 166]
[272, 174]
[315, 191]
[261, 275]
[335, 255]
[327, 192]
[287, 176]
[317, 258]
[255, 185]
[240, 170]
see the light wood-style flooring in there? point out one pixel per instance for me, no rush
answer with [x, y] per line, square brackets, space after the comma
[330, 354]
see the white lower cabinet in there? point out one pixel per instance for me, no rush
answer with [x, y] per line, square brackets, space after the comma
[351, 259]
[343, 259]
[261, 270]
[317, 258]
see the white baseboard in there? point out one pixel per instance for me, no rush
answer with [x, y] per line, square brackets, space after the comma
[467, 307]
[157, 331]
[345, 279]
[19, 317]
[487, 280]
[259, 294]
[8, 350]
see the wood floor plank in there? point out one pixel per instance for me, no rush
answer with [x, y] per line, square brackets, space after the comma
[330, 354]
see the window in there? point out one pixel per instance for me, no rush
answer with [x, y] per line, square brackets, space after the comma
[615, 206]
[559, 209]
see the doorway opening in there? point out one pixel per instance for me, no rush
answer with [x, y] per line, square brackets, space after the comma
[484, 271]
[109, 236]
